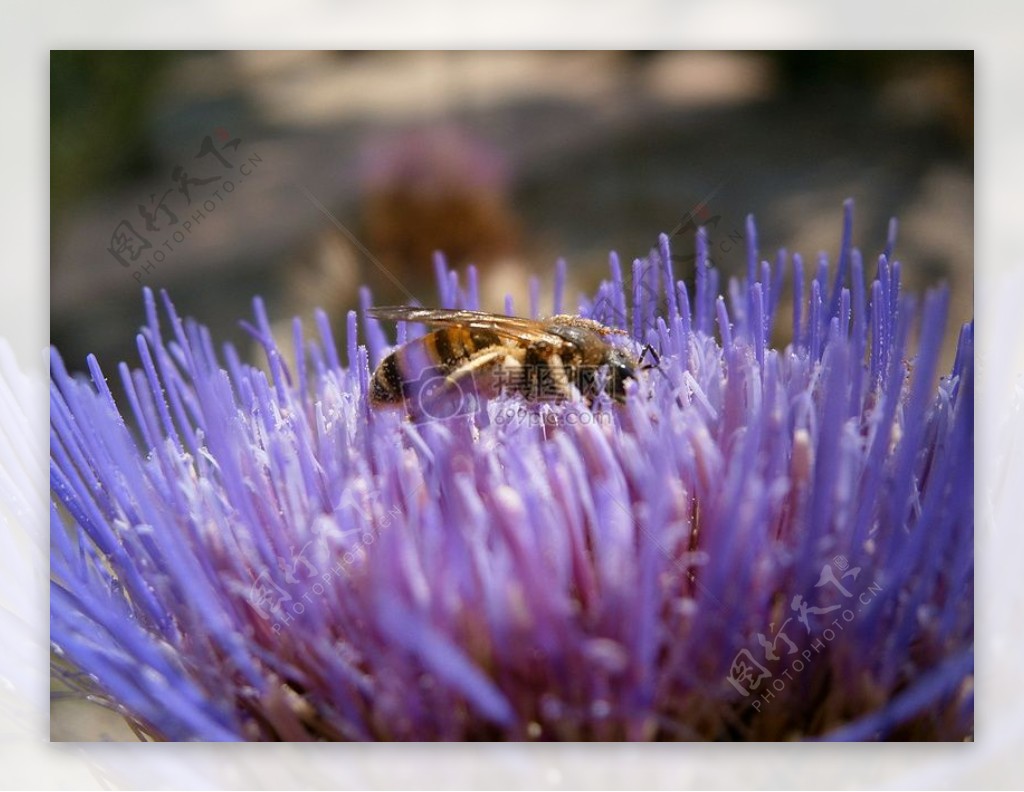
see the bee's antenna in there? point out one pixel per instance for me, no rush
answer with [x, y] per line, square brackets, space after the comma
[654, 355]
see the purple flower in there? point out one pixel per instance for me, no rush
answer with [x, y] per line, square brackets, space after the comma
[760, 543]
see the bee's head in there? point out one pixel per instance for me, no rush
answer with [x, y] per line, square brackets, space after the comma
[623, 365]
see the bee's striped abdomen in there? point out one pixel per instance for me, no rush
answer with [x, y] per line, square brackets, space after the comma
[387, 386]
[438, 353]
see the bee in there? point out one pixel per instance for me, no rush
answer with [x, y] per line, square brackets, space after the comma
[472, 352]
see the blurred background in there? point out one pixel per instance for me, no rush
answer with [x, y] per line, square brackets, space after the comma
[300, 176]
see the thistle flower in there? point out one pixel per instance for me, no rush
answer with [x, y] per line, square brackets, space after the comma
[760, 543]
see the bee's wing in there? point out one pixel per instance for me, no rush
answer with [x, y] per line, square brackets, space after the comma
[512, 327]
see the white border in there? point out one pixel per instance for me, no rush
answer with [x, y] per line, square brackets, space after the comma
[28, 31]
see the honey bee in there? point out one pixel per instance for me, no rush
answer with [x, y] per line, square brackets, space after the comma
[472, 352]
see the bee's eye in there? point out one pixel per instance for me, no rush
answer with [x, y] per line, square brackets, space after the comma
[620, 372]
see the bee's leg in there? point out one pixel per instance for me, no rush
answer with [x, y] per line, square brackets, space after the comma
[534, 366]
[510, 376]
[559, 385]
[545, 378]
[453, 391]
[585, 379]
[474, 366]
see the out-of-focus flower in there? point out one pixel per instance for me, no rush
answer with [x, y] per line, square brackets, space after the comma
[759, 544]
[436, 188]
